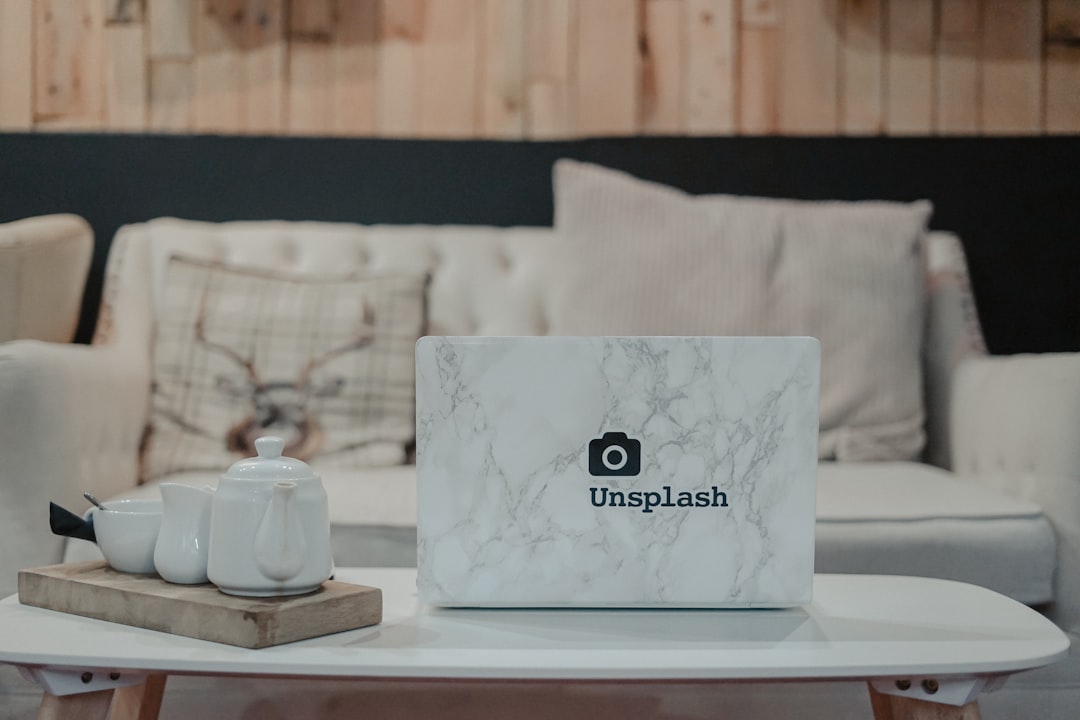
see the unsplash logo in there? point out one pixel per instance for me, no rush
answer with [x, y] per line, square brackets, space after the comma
[614, 455]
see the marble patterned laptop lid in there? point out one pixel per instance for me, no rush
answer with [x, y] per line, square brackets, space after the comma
[616, 471]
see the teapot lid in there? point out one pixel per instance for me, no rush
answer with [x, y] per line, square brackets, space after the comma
[270, 465]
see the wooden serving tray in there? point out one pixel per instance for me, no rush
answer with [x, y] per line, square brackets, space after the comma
[94, 590]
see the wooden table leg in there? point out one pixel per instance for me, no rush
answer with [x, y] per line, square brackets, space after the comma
[139, 702]
[84, 706]
[895, 707]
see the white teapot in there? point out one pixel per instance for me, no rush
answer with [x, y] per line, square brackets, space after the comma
[269, 526]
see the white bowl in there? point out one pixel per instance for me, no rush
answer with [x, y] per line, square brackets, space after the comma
[127, 533]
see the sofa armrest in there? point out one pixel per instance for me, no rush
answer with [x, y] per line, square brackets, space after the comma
[1016, 425]
[71, 420]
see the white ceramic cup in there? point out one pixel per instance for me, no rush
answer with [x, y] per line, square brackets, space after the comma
[127, 533]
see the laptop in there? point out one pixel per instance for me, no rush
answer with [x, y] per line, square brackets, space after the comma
[616, 471]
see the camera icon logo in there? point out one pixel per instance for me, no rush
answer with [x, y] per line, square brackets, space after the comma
[614, 454]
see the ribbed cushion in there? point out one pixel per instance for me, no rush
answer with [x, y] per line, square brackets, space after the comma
[638, 258]
[914, 519]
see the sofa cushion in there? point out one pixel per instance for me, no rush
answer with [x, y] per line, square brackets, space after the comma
[914, 519]
[639, 258]
[327, 363]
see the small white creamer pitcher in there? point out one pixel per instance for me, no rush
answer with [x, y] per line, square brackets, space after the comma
[181, 553]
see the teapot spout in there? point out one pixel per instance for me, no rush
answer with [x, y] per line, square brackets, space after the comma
[279, 542]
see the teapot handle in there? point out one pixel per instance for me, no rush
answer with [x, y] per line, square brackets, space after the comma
[280, 549]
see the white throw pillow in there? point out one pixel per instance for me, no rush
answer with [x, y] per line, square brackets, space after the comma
[327, 363]
[640, 258]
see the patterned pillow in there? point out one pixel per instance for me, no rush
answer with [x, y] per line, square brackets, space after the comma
[640, 258]
[327, 363]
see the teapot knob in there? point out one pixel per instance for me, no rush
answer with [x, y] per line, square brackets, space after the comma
[270, 447]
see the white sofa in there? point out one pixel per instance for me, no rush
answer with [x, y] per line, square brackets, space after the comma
[997, 502]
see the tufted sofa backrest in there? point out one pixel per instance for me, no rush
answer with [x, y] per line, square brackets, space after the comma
[485, 281]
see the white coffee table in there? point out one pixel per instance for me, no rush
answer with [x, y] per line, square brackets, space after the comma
[927, 648]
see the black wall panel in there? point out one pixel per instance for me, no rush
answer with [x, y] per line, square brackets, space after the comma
[1015, 202]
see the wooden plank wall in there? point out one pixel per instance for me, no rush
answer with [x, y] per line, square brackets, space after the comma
[541, 68]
